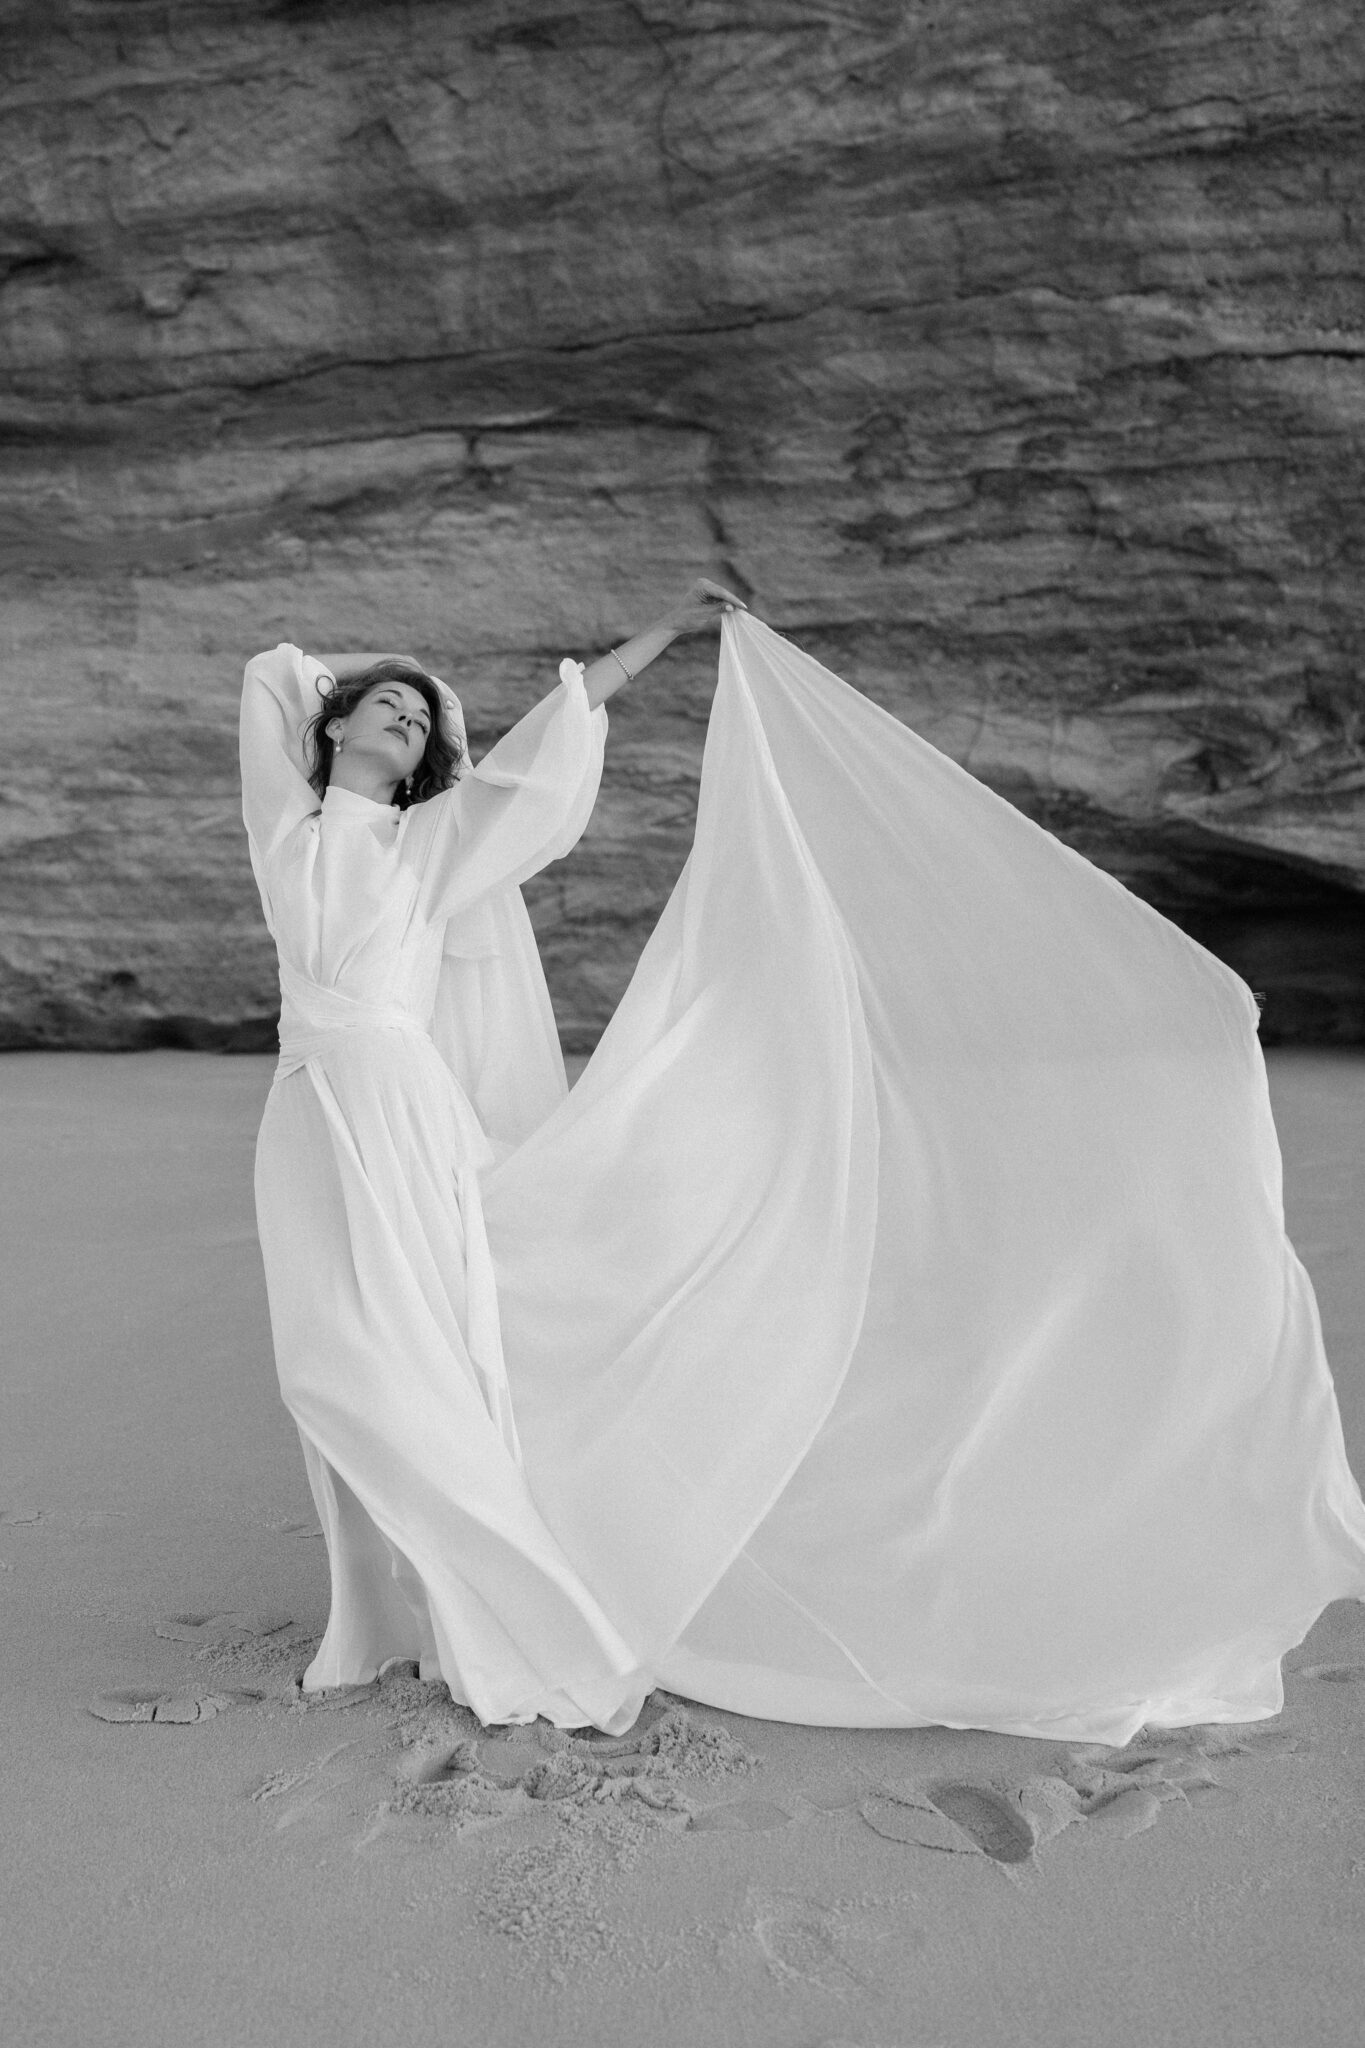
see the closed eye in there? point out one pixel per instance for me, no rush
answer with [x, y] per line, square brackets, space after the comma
[416, 716]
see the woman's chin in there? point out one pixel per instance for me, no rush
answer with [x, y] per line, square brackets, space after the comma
[389, 762]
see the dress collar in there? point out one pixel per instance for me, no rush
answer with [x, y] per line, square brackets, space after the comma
[348, 803]
[344, 807]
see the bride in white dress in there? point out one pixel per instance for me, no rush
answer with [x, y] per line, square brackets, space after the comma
[895, 1324]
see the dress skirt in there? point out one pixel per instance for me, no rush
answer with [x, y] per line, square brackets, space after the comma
[384, 1307]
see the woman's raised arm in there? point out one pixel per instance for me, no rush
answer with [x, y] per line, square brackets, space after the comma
[704, 602]
[280, 691]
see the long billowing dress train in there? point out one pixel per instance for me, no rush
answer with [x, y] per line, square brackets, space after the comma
[895, 1324]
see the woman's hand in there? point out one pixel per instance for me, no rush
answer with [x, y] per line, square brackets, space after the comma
[703, 604]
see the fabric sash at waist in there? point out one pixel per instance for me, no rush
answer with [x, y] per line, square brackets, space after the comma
[313, 1017]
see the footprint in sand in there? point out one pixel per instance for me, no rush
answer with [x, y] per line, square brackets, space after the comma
[1129, 1811]
[1332, 1674]
[19, 1518]
[1254, 1739]
[179, 1709]
[440, 1765]
[999, 1828]
[220, 1631]
[953, 1815]
[473, 1776]
[1113, 1791]
[303, 1529]
[213, 1638]
[1123, 1790]
[801, 1938]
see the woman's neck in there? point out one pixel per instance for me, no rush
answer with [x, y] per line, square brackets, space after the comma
[361, 779]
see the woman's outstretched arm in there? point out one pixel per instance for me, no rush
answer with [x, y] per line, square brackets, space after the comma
[704, 602]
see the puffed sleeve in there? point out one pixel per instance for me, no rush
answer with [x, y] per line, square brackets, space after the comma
[281, 690]
[524, 805]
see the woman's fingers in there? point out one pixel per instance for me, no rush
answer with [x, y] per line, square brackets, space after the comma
[704, 602]
[718, 594]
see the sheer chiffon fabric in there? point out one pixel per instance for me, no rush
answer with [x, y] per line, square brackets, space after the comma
[895, 1324]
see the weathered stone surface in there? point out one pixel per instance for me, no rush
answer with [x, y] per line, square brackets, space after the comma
[1010, 354]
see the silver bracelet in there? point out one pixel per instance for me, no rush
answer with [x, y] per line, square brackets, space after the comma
[621, 665]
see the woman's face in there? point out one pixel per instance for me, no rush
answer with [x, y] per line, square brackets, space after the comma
[389, 726]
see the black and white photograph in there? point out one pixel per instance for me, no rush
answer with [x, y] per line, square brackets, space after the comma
[682, 995]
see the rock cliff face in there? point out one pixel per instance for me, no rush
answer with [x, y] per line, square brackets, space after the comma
[1010, 354]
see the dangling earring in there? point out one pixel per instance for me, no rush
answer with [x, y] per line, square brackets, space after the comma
[338, 743]
[408, 787]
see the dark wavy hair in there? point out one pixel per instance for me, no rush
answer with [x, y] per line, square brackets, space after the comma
[440, 764]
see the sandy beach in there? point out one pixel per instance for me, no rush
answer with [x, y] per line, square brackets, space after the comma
[195, 1856]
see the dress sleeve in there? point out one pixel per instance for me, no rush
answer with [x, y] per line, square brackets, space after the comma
[281, 691]
[524, 805]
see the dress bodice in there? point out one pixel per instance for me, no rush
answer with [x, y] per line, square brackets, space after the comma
[348, 909]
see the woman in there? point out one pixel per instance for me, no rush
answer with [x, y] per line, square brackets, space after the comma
[411, 992]
[895, 1324]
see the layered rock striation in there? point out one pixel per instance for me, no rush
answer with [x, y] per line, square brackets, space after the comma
[1010, 356]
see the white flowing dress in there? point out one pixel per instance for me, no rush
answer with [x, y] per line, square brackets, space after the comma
[895, 1324]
